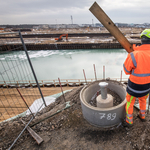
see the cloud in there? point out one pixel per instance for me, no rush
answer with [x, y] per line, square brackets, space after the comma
[41, 5]
[135, 11]
[48, 11]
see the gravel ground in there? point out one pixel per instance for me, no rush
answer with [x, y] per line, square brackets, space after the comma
[116, 98]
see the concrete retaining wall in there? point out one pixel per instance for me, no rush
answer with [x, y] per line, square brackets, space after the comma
[61, 46]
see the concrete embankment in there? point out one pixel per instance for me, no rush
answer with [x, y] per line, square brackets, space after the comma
[48, 42]
[55, 46]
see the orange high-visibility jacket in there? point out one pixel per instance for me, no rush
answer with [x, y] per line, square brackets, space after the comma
[137, 64]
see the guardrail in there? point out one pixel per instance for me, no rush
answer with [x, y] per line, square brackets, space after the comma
[53, 82]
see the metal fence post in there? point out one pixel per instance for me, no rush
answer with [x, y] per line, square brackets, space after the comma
[25, 49]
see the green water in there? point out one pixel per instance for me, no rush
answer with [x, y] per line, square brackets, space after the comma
[67, 64]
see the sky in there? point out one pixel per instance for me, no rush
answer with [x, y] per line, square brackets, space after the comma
[60, 11]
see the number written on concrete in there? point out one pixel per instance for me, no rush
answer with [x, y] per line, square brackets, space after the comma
[108, 116]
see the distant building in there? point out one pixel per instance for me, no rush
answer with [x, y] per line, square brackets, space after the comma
[98, 25]
[121, 24]
[139, 25]
[65, 26]
[85, 25]
[147, 25]
[131, 25]
[54, 26]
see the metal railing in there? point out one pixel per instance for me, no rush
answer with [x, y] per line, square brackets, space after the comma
[52, 82]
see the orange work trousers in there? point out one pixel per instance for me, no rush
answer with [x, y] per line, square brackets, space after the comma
[130, 104]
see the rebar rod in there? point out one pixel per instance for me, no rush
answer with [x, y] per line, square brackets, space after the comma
[84, 76]
[95, 72]
[61, 90]
[103, 72]
[24, 101]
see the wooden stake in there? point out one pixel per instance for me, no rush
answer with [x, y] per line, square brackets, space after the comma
[95, 72]
[121, 76]
[84, 76]
[103, 72]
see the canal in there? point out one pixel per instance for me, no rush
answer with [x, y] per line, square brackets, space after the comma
[69, 64]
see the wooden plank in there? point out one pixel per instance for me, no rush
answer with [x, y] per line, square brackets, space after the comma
[110, 26]
[38, 139]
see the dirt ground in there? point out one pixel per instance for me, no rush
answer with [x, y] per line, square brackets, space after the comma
[69, 130]
[132, 34]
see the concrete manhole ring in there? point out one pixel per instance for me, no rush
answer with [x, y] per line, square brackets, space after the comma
[103, 117]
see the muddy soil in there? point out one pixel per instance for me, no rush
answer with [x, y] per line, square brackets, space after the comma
[69, 130]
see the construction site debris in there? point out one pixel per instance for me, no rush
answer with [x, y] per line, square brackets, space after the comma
[69, 130]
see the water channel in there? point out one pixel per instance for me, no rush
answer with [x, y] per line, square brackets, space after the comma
[69, 64]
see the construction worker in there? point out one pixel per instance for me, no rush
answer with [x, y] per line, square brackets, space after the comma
[137, 65]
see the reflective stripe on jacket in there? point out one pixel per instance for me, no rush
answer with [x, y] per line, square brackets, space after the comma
[138, 90]
[137, 64]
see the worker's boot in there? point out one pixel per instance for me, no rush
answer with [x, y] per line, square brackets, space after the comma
[143, 120]
[125, 124]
